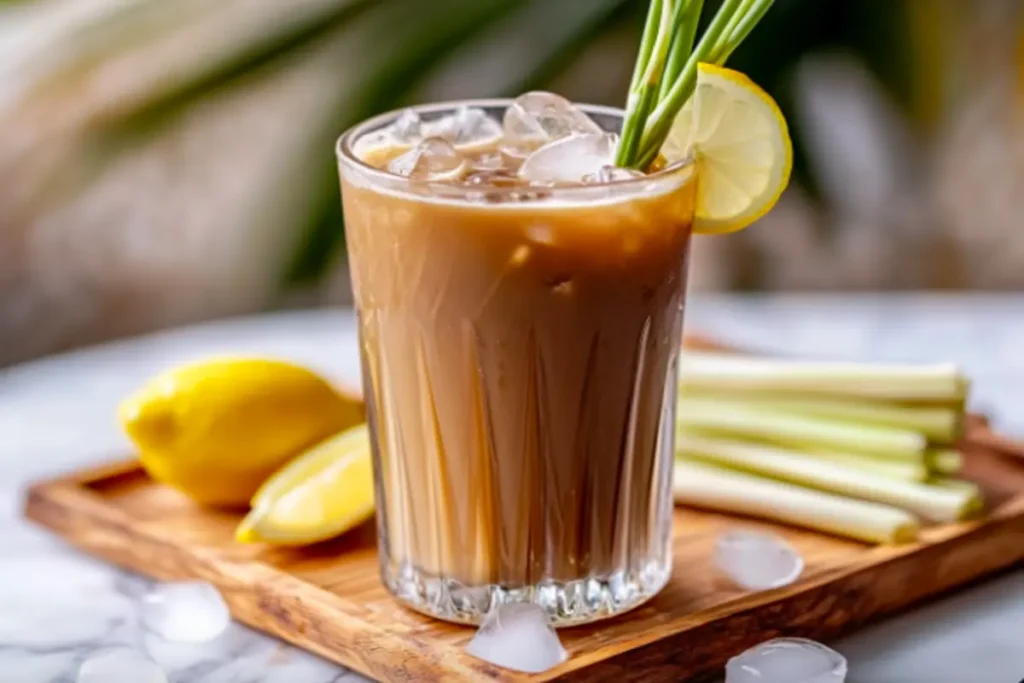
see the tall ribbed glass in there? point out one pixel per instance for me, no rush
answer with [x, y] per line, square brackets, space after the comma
[519, 366]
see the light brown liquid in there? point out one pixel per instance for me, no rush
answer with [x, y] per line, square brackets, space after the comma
[519, 365]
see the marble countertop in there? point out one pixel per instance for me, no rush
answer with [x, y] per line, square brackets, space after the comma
[57, 606]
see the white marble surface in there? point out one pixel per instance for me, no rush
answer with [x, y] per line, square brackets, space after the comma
[57, 606]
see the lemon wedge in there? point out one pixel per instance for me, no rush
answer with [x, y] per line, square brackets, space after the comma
[741, 147]
[321, 494]
[216, 429]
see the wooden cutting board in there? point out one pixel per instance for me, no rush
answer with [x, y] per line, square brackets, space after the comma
[328, 599]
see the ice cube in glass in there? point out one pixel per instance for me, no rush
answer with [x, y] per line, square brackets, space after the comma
[541, 117]
[570, 159]
[432, 159]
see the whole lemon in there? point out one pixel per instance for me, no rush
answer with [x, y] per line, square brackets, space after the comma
[217, 429]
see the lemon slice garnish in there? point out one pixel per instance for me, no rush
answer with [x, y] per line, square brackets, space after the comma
[321, 494]
[741, 147]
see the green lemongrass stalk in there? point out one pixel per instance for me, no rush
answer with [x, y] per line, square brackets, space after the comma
[908, 383]
[647, 72]
[682, 43]
[657, 125]
[904, 470]
[800, 431]
[718, 488]
[738, 30]
[944, 460]
[939, 423]
[737, 17]
[665, 74]
[938, 504]
[647, 40]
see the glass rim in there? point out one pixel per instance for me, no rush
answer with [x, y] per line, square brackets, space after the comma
[346, 154]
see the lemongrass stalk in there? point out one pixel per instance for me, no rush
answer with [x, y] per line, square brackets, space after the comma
[941, 424]
[733, 25]
[738, 30]
[909, 383]
[682, 44]
[963, 486]
[954, 483]
[632, 122]
[938, 504]
[653, 103]
[737, 17]
[721, 42]
[717, 488]
[801, 431]
[638, 106]
[646, 80]
[647, 41]
[660, 120]
[904, 470]
[944, 460]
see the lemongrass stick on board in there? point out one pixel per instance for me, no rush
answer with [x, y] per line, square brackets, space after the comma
[910, 383]
[938, 504]
[904, 470]
[752, 421]
[965, 486]
[944, 460]
[717, 488]
[941, 424]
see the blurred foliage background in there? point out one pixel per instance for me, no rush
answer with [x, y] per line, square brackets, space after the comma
[167, 161]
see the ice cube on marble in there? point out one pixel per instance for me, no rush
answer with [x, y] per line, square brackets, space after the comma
[787, 660]
[544, 116]
[466, 127]
[757, 561]
[185, 611]
[431, 159]
[612, 174]
[518, 636]
[120, 666]
[569, 160]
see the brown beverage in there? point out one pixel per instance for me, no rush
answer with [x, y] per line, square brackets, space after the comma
[518, 344]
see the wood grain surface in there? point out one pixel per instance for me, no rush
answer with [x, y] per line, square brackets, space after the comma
[328, 598]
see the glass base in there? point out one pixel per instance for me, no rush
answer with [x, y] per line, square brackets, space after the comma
[567, 603]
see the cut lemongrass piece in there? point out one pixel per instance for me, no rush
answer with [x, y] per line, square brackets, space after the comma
[963, 486]
[931, 502]
[718, 488]
[954, 483]
[938, 383]
[940, 423]
[801, 431]
[905, 470]
[944, 460]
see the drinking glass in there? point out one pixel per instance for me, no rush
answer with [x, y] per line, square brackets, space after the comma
[519, 349]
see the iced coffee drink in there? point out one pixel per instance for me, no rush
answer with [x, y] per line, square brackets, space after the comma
[520, 301]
